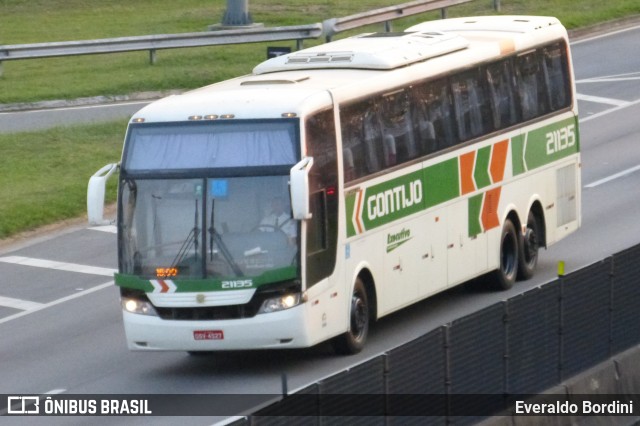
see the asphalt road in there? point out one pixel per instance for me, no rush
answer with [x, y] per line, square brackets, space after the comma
[60, 322]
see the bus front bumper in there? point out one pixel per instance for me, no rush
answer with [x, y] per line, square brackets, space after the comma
[284, 329]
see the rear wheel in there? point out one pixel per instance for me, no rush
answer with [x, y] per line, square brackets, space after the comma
[354, 339]
[505, 276]
[528, 259]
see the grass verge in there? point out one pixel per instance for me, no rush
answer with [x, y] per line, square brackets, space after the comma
[39, 21]
[45, 174]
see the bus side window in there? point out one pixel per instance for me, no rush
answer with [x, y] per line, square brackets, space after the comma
[397, 121]
[372, 132]
[470, 105]
[530, 86]
[317, 225]
[556, 76]
[322, 227]
[349, 168]
[423, 129]
[500, 84]
[439, 110]
[352, 139]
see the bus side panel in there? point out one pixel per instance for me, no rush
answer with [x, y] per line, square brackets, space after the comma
[327, 308]
[467, 254]
[433, 253]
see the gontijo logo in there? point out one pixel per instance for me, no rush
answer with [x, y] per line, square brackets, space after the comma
[386, 202]
[394, 200]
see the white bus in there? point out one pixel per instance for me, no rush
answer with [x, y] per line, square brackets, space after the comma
[340, 183]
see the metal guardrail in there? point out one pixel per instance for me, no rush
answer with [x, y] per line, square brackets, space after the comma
[387, 14]
[156, 42]
[152, 43]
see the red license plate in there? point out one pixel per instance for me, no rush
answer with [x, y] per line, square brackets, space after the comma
[208, 335]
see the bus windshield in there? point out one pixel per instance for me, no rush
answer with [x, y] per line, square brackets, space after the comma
[206, 145]
[208, 199]
[207, 228]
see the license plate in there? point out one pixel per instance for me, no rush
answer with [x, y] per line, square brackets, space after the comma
[208, 335]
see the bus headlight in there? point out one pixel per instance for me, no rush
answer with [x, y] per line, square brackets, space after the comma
[136, 306]
[280, 303]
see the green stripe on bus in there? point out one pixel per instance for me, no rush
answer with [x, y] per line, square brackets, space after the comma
[201, 285]
[442, 182]
[392, 200]
[545, 145]
[350, 202]
[481, 172]
[517, 155]
[475, 208]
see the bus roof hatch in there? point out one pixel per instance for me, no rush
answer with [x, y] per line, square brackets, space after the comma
[375, 51]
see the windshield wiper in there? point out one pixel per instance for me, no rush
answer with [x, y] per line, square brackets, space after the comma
[214, 237]
[192, 239]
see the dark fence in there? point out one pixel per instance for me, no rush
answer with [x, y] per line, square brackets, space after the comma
[477, 364]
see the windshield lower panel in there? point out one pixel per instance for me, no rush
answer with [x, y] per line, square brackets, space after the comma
[206, 228]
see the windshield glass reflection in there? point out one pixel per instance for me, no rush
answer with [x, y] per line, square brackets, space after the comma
[194, 228]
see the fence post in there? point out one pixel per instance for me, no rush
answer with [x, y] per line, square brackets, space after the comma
[561, 267]
[152, 56]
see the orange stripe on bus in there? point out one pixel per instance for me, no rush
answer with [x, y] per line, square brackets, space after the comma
[499, 160]
[489, 215]
[467, 162]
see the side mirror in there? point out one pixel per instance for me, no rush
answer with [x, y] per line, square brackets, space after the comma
[95, 194]
[299, 187]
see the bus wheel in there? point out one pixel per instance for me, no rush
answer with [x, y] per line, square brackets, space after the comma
[505, 276]
[528, 259]
[354, 339]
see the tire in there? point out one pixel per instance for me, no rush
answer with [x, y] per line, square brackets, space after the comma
[529, 245]
[354, 339]
[505, 276]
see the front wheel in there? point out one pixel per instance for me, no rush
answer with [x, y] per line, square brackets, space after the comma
[354, 339]
[505, 276]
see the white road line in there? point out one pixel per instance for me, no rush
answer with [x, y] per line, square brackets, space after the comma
[609, 111]
[112, 229]
[584, 40]
[600, 100]
[60, 266]
[23, 305]
[76, 107]
[57, 302]
[613, 177]
[18, 406]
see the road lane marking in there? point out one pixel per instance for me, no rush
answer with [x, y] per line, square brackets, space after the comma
[609, 111]
[599, 36]
[60, 266]
[17, 406]
[112, 229]
[613, 177]
[57, 302]
[23, 305]
[601, 100]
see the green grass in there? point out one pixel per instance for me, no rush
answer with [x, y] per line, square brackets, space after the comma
[39, 21]
[45, 174]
